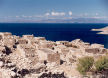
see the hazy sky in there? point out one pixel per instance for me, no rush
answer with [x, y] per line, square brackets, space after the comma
[41, 9]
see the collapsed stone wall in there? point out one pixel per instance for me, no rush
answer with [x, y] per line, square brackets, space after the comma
[35, 57]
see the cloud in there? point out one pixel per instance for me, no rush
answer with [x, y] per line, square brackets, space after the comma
[70, 13]
[30, 16]
[17, 16]
[100, 17]
[58, 13]
[97, 14]
[86, 14]
[39, 16]
[24, 16]
[47, 14]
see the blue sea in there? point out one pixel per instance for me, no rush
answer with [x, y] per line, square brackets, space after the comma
[58, 32]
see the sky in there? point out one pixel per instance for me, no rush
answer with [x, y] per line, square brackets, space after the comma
[52, 9]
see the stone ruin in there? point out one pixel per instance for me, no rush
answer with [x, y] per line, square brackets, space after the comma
[35, 57]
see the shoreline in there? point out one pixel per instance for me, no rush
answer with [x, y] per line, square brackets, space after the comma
[102, 30]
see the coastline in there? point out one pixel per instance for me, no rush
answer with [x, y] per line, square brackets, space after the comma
[102, 30]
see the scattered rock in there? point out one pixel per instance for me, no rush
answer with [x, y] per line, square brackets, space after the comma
[1, 63]
[35, 57]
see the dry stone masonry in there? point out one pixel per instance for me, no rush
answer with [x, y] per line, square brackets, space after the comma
[35, 57]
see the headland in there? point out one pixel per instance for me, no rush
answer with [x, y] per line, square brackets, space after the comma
[102, 30]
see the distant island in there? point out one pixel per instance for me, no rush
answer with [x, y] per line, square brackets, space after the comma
[102, 30]
[67, 20]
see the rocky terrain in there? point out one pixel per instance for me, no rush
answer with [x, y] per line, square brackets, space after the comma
[102, 30]
[35, 57]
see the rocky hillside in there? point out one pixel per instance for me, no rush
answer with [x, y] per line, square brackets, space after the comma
[35, 57]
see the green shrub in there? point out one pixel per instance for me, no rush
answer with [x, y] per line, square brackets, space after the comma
[101, 63]
[84, 64]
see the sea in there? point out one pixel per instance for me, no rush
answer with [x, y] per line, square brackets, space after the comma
[58, 32]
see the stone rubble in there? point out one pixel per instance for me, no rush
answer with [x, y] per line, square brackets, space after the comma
[35, 57]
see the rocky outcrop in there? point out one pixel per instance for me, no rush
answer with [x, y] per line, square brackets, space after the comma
[35, 57]
[102, 30]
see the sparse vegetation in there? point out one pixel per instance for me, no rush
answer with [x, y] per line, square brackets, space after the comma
[84, 64]
[101, 63]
